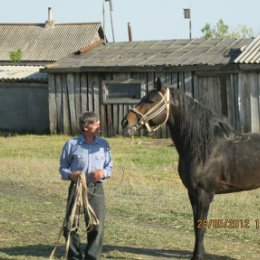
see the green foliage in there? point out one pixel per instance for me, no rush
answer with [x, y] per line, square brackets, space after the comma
[246, 31]
[16, 55]
[221, 31]
[207, 31]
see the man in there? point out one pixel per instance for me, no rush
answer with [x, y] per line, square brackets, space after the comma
[91, 155]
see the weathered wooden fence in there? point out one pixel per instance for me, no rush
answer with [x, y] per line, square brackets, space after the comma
[235, 97]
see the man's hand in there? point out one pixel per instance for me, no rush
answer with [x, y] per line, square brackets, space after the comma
[97, 175]
[73, 176]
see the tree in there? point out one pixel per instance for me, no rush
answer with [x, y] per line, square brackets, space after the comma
[221, 30]
[207, 31]
[246, 31]
[16, 56]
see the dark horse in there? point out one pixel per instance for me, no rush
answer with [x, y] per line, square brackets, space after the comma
[213, 157]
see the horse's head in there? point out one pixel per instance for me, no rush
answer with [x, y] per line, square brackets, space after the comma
[151, 112]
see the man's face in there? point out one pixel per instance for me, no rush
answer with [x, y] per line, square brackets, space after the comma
[92, 128]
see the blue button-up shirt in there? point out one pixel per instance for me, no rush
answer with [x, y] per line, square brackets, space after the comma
[77, 155]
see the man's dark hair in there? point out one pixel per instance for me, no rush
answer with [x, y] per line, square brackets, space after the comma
[87, 118]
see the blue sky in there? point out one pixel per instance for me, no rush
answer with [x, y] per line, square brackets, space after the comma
[149, 19]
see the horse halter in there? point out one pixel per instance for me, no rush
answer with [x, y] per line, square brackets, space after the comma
[155, 111]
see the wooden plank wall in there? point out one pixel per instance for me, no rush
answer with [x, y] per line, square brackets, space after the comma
[249, 101]
[234, 97]
[69, 95]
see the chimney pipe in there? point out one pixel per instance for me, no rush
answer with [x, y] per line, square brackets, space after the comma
[129, 32]
[50, 22]
[49, 14]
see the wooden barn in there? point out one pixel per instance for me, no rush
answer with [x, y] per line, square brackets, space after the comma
[24, 50]
[221, 74]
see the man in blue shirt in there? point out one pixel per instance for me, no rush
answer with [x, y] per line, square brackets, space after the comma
[91, 155]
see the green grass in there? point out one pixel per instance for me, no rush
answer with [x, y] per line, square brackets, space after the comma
[148, 211]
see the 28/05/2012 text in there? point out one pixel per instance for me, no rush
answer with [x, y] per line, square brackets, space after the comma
[228, 223]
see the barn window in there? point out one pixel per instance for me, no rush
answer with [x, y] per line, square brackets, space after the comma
[129, 91]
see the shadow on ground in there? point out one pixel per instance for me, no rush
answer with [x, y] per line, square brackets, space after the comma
[133, 252]
[156, 253]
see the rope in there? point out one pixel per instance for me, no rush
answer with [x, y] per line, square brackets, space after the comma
[80, 205]
[129, 157]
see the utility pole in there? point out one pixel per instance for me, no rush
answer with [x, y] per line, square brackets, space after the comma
[104, 18]
[111, 17]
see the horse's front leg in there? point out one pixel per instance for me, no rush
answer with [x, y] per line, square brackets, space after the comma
[200, 201]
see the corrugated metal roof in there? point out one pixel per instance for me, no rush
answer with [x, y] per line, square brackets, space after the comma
[156, 53]
[22, 72]
[40, 43]
[250, 53]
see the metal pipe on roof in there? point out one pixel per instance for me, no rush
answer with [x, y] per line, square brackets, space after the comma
[129, 32]
[49, 14]
[50, 22]
[187, 15]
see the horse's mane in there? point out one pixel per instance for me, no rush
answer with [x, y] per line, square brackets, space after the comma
[200, 127]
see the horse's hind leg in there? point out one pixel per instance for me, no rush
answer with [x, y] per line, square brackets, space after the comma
[200, 201]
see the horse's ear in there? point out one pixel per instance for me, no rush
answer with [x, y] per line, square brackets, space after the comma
[158, 84]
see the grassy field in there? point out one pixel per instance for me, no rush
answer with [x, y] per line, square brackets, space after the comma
[148, 212]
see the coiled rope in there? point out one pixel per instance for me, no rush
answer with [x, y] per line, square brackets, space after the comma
[78, 204]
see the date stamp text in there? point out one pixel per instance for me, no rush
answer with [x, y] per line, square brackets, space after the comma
[229, 223]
